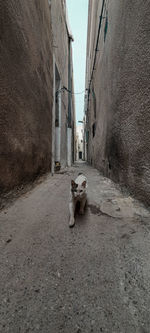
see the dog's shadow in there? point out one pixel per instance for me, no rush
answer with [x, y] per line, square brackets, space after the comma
[79, 218]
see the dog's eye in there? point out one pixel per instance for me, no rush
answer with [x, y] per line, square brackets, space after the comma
[75, 190]
[81, 191]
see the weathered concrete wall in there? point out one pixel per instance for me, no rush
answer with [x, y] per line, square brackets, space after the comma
[26, 81]
[121, 85]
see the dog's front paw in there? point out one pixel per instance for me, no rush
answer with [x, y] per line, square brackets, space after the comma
[71, 222]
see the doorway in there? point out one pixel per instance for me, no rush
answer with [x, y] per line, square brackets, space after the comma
[80, 155]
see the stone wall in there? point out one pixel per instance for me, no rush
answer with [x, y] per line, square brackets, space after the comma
[26, 81]
[119, 101]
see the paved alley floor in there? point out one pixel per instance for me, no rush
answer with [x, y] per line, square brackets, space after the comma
[94, 277]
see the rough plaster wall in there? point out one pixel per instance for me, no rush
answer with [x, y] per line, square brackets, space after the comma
[25, 90]
[60, 47]
[122, 85]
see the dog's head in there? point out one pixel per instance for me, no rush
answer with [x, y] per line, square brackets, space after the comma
[78, 190]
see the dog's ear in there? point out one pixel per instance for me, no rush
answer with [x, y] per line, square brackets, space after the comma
[72, 183]
[84, 184]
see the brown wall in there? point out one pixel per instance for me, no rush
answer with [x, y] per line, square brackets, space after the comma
[26, 81]
[121, 83]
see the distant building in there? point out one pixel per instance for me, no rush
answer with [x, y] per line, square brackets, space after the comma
[79, 142]
[117, 102]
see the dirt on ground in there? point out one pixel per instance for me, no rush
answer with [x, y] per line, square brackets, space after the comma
[94, 277]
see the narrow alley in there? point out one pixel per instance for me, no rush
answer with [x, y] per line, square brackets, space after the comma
[74, 110]
[94, 277]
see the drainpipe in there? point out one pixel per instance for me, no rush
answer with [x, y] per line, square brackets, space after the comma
[69, 129]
